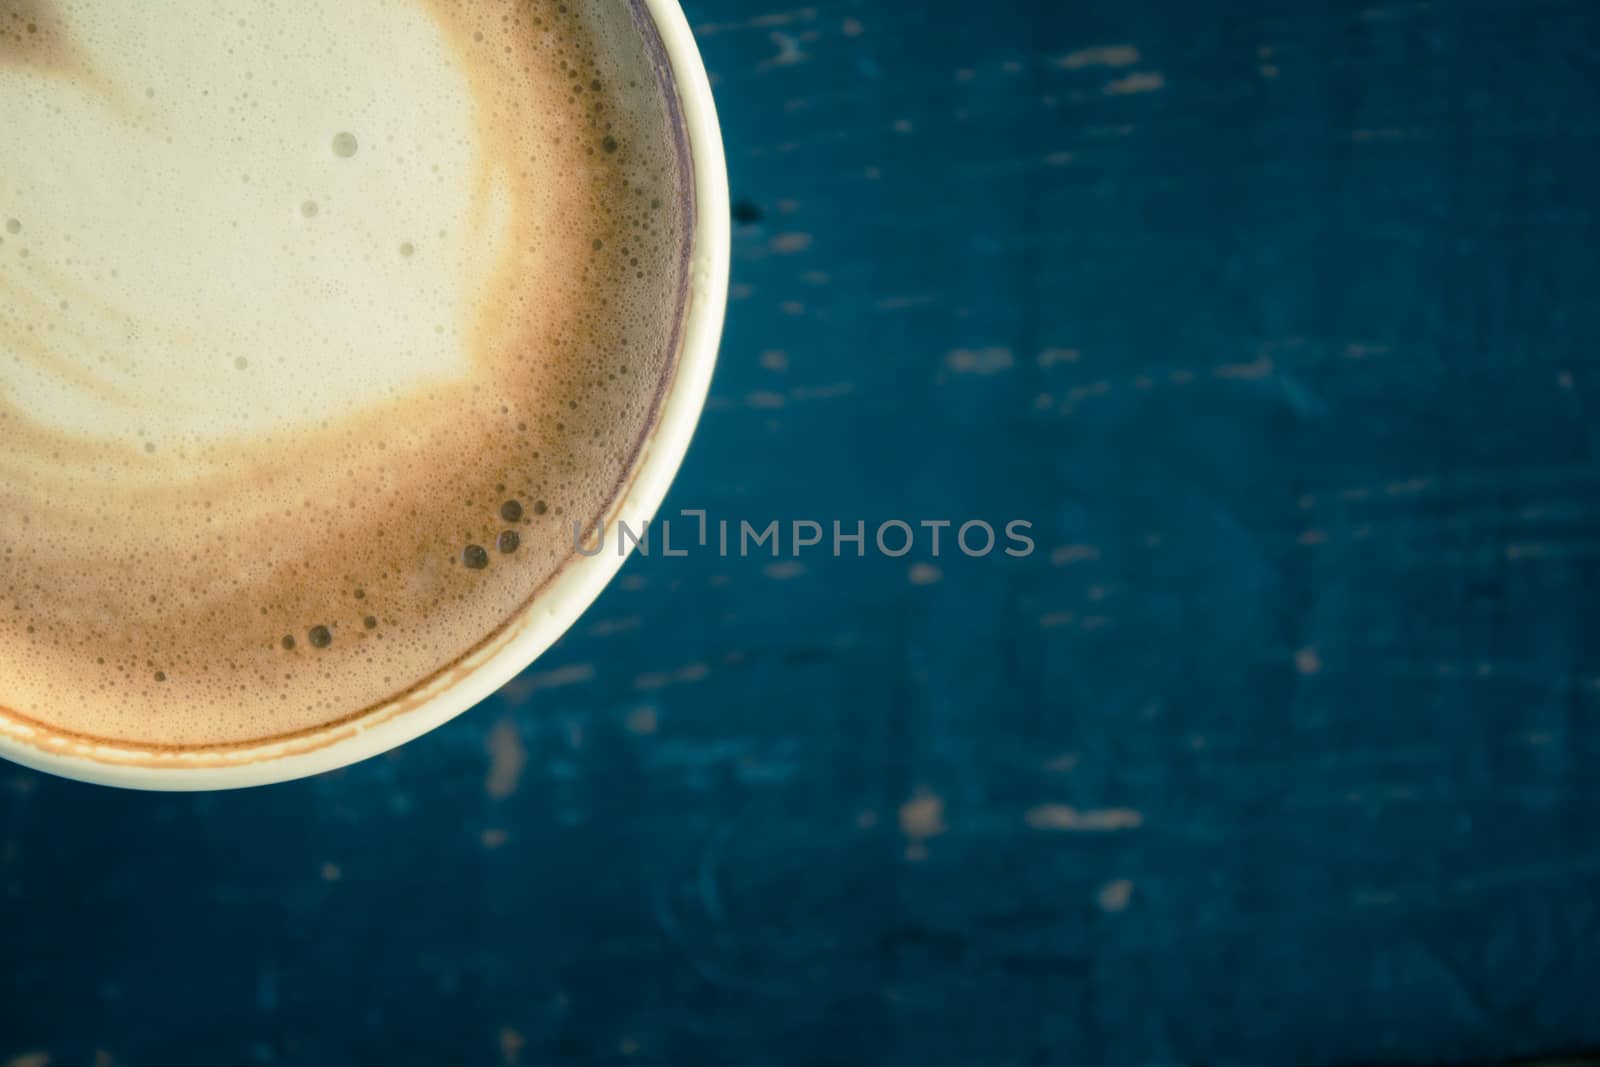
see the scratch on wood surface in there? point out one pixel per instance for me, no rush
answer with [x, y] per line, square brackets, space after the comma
[921, 819]
[790, 53]
[511, 1043]
[1114, 896]
[980, 361]
[507, 758]
[787, 244]
[1137, 82]
[764, 399]
[521, 687]
[1062, 818]
[573, 674]
[822, 392]
[1066, 554]
[1260, 368]
[612, 627]
[1106, 55]
[1252, 371]
[643, 721]
[1083, 392]
[1476, 505]
[692, 672]
[1495, 482]
[760, 22]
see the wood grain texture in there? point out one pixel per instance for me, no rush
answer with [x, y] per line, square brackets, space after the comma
[1278, 320]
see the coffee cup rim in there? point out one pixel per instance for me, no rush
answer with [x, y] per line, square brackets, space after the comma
[559, 604]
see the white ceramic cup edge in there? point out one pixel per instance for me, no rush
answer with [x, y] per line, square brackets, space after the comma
[581, 581]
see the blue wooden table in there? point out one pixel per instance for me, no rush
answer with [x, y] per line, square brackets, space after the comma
[1279, 320]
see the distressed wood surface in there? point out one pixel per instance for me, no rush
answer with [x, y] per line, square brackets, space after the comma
[1278, 319]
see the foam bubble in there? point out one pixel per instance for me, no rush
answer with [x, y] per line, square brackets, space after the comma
[256, 468]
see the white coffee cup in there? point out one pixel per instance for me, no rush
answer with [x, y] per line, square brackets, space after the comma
[478, 675]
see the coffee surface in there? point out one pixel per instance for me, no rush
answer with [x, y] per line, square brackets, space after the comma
[320, 325]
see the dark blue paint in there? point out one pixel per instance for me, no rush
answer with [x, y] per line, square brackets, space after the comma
[1334, 644]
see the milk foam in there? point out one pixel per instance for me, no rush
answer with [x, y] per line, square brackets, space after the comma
[319, 325]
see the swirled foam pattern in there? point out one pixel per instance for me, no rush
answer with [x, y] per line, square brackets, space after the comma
[320, 324]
